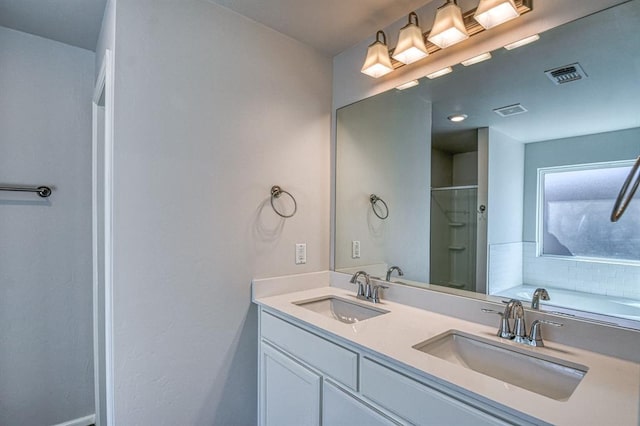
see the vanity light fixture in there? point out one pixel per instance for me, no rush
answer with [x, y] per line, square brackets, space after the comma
[522, 42]
[491, 13]
[457, 118]
[377, 62]
[440, 73]
[451, 26]
[476, 59]
[408, 84]
[410, 47]
[448, 28]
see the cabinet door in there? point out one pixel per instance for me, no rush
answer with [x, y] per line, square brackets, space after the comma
[290, 393]
[417, 402]
[340, 408]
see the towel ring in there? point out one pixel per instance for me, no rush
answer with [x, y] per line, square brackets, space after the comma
[276, 192]
[626, 194]
[374, 199]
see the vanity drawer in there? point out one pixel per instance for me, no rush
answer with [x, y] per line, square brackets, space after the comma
[417, 402]
[335, 361]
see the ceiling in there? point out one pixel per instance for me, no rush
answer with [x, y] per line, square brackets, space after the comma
[606, 45]
[330, 26]
[74, 22]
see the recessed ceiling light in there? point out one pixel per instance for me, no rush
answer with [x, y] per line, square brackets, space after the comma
[408, 84]
[476, 59]
[439, 73]
[522, 42]
[456, 118]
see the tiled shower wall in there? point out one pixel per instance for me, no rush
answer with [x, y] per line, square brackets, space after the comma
[589, 277]
[505, 266]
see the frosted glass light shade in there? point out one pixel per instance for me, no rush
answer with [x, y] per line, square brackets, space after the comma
[448, 28]
[491, 13]
[377, 63]
[410, 47]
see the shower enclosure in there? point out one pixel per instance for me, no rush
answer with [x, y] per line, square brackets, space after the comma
[453, 236]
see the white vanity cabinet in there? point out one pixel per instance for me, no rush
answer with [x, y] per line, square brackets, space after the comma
[342, 408]
[308, 378]
[290, 392]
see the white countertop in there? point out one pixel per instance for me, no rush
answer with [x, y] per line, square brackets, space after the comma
[609, 394]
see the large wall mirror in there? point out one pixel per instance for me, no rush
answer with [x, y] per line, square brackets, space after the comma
[517, 195]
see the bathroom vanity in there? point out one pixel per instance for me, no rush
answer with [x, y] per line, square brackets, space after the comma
[328, 358]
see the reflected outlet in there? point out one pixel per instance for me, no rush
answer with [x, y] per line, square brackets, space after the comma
[355, 249]
[301, 253]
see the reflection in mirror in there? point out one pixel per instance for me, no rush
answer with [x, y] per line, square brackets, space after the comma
[516, 196]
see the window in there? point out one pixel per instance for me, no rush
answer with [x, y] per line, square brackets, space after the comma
[574, 208]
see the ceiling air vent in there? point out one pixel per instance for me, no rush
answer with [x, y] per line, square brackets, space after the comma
[566, 74]
[510, 110]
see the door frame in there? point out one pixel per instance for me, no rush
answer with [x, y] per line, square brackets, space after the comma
[104, 86]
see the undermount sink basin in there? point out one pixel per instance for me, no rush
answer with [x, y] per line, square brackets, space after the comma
[341, 309]
[544, 375]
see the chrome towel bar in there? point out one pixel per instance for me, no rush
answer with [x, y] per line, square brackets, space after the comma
[626, 194]
[43, 191]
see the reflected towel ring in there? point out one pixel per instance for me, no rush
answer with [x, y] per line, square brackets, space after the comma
[374, 199]
[626, 194]
[276, 192]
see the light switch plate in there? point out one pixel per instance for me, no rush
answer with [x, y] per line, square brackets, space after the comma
[301, 253]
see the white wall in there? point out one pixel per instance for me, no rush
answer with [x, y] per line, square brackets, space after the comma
[506, 189]
[465, 169]
[384, 148]
[46, 371]
[441, 168]
[504, 211]
[211, 110]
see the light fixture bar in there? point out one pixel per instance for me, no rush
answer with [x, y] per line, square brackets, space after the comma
[439, 73]
[476, 59]
[472, 26]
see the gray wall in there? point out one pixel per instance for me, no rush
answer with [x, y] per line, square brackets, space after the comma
[46, 370]
[211, 110]
[384, 148]
[610, 146]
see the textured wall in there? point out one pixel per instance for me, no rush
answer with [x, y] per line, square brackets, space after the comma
[46, 352]
[211, 110]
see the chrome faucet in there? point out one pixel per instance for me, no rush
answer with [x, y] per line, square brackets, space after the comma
[535, 336]
[375, 292]
[514, 310]
[361, 287]
[519, 326]
[390, 271]
[367, 291]
[540, 293]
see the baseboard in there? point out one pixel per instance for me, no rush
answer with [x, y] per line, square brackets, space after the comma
[82, 421]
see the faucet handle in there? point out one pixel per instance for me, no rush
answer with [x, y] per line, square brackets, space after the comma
[535, 337]
[504, 330]
[375, 292]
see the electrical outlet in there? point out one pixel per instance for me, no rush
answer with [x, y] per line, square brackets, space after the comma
[355, 249]
[301, 253]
